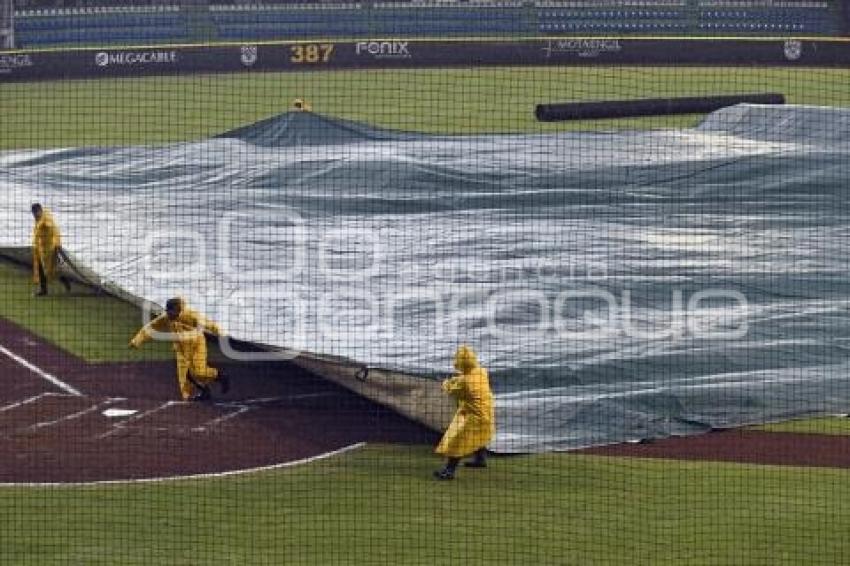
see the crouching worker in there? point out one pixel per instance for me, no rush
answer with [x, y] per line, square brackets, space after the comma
[473, 424]
[46, 243]
[185, 328]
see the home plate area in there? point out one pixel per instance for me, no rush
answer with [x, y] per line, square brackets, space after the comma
[66, 420]
[57, 437]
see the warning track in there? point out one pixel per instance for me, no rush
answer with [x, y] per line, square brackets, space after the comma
[124, 421]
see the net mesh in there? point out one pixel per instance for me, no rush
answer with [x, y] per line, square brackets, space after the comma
[269, 316]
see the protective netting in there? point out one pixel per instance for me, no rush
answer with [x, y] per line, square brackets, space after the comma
[369, 247]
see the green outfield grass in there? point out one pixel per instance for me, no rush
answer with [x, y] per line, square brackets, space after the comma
[161, 109]
[824, 425]
[378, 505]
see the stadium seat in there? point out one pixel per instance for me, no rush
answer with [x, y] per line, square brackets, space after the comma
[254, 21]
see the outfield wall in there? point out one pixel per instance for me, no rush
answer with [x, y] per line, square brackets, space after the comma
[400, 53]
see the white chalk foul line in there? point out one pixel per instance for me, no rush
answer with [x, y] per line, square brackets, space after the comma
[282, 465]
[76, 415]
[27, 401]
[41, 373]
[272, 400]
[223, 418]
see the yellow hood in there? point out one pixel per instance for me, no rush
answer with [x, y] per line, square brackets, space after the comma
[465, 359]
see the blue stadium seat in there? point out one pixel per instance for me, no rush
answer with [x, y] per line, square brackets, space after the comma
[136, 26]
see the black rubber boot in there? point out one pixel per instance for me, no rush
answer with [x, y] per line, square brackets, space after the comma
[223, 382]
[448, 473]
[42, 282]
[203, 394]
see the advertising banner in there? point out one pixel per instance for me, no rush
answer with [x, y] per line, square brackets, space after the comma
[416, 53]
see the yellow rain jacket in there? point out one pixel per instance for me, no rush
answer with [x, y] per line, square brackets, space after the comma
[474, 423]
[45, 243]
[190, 348]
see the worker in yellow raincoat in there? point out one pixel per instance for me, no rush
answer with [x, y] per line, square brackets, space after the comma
[474, 423]
[185, 328]
[46, 245]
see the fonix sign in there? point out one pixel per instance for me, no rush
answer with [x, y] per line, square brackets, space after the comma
[392, 49]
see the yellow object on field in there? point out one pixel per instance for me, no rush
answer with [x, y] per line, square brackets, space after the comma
[186, 332]
[474, 422]
[302, 105]
[45, 244]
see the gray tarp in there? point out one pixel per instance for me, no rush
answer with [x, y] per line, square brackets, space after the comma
[618, 284]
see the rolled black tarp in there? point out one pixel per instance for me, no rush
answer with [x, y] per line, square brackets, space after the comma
[649, 106]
